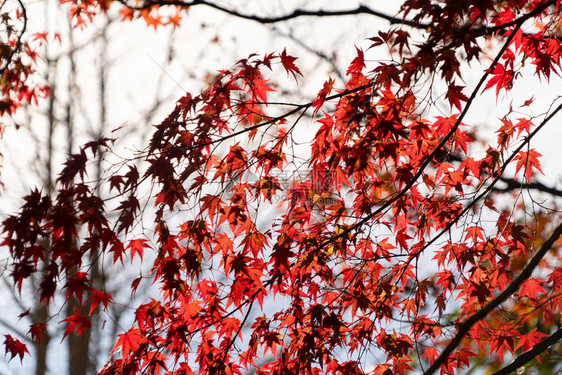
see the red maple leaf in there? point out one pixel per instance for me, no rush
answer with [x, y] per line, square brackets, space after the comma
[15, 347]
[531, 287]
[455, 96]
[37, 330]
[530, 339]
[322, 94]
[501, 343]
[76, 322]
[289, 64]
[137, 246]
[129, 341]
[98, 297]
[529, 161]
[431, 353]
[501, 78]
[357, 64]
[75, 165]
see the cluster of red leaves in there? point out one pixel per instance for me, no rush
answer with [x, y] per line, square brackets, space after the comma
[17, 63]
[82, 12]
[59, 236]
[386, 190]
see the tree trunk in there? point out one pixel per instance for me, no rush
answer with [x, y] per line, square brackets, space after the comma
[78, 345]
[42, 345]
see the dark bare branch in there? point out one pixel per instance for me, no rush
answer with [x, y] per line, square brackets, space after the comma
[297, 13]
[535, 185]
[530, 354]
[360, 10]
[465, 327]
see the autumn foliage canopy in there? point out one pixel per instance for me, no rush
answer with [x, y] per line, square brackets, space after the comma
[363, 231]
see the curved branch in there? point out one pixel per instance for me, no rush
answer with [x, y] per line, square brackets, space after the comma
[296, 109]
[530, 354]
[535, 185]
[511, 183]
[17, 47]
[465, 327]
[518, 21]
[361, 9]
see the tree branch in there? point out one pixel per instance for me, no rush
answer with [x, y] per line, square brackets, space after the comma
[16, 48]
[465, 327]
[361, 9]
[530, 354]
[535, 185]
[511, 183]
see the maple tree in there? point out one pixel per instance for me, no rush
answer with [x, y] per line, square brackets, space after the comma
[380, 244]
